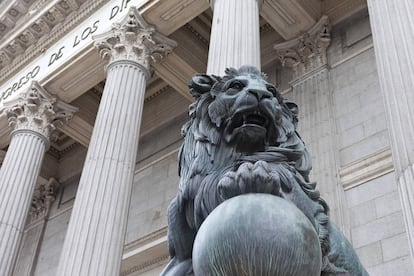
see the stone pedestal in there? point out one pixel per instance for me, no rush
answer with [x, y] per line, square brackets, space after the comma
[306, 56]
[33, 116]
[393, 35]
[95, 237]
[235, 35]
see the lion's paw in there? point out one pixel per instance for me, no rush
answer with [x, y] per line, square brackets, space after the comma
[249, 178]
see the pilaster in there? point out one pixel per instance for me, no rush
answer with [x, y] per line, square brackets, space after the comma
[33, 117]
[235, 35]
[43, 197]
[306, 56]
[95, 236]
[393, 35]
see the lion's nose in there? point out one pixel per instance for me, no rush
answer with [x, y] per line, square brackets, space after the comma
[260, 94]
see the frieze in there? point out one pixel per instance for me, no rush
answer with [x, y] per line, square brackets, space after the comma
[28, 37]
[59, 53]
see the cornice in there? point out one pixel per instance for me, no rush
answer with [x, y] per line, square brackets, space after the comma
[157, 93]
[57, 153]
[196, 33]
[43, 33]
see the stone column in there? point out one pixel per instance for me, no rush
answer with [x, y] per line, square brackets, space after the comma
[393, 35]
[95, 237]
[33, 116]
[235, 35]
[311, 91]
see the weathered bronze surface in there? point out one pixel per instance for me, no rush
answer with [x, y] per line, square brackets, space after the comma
[241, 139]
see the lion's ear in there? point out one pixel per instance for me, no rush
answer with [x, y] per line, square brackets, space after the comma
[200, 84]
[294, 109]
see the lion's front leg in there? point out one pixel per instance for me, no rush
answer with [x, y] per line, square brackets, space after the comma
[249, 178]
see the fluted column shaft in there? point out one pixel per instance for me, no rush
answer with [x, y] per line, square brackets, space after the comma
[235, 35]
[94, 240]
[18, 177]
[33, 116]
[392, 26]
[313, 96]
[95, 236]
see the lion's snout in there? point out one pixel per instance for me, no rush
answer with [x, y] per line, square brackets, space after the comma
[259, 93]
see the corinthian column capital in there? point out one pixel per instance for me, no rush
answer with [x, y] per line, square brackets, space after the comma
[43, 197]
[308, 51]
[37, 111]
[133, 39]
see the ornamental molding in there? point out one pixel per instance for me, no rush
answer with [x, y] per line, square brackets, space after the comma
[144, 267]
[38, 111]
[308, 51]
[31, 40]
[133, 39]
[366, 169]
[43, 197]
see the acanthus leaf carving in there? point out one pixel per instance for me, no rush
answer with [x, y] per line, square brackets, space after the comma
[308, 51]
[38, 111]
[42, 199]
[135, 40]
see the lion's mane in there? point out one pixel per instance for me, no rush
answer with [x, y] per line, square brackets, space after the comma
[205, 157]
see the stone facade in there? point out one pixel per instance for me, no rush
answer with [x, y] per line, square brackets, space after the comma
[342, 118]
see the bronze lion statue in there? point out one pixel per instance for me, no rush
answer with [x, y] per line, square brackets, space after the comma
[242, 139]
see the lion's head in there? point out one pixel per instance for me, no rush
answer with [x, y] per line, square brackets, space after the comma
[244, 108]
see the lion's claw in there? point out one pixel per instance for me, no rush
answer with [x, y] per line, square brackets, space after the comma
[249, 178]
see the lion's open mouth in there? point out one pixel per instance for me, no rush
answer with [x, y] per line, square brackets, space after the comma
[252, 117]
[255, 119]
[247, 129]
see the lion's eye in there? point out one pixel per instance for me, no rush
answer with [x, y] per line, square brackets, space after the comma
[236, 85]
[271, 89]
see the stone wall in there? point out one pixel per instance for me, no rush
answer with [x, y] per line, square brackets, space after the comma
[154, 187]
[377, 227]
[375, 223]
[52, 244]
